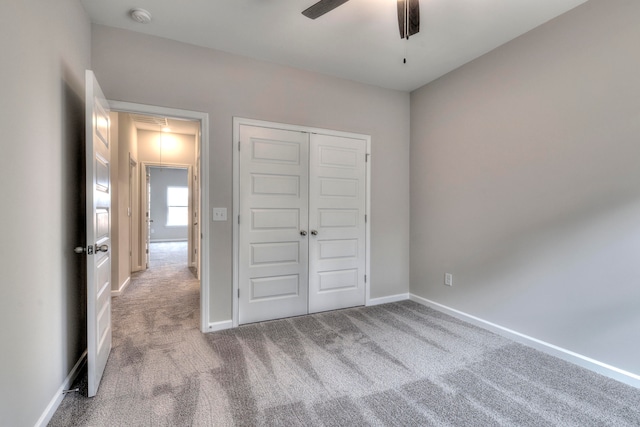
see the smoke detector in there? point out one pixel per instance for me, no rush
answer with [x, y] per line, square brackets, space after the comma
[140, 15]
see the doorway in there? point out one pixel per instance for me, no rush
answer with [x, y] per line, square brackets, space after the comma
[159, 134]
[169, 203]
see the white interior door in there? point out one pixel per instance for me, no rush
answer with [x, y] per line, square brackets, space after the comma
[273, 239]
[195, 236]
[98, 233]
[147, 215]
[337, 209]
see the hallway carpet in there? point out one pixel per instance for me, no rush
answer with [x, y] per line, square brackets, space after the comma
[398, 364]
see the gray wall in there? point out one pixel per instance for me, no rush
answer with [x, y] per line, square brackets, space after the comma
[45, 49]
[525, 184]
[127, 146]
[124, 142]
[150, 70]
[161, 179]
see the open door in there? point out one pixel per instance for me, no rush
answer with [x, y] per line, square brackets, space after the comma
[147, 215]
[98, 232]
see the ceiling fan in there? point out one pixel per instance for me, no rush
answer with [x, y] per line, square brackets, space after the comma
[408, 14]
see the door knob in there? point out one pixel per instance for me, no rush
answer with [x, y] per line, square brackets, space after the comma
[303, 233]
[78, 249]
[102, 248]
[314, 232]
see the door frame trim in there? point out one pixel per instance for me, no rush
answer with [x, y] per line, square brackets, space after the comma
[237, 122]
[203, 118]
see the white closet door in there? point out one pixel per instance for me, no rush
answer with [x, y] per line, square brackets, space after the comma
[273, 240]
[337, 207]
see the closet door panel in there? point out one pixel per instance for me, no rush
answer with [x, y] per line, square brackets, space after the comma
[273, 258]
[337, 207]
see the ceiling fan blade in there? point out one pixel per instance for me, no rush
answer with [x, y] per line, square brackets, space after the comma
[322, 7]
[408, 17]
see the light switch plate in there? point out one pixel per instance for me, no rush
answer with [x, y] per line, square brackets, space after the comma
[219, 214]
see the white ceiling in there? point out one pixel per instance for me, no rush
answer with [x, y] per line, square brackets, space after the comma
[172, 125]
[357, 41]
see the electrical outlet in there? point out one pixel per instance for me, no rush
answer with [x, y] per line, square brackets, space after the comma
[448, 279]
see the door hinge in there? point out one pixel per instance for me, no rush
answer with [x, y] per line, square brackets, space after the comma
[238, 145]
[365, 218]
[365, 278]
[238, 219]
[238, 292]
[366, 157]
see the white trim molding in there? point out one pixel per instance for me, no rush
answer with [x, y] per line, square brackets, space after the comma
[121, 288]
[550, 349]
[387, 299]
[53, 405]
[220, 326]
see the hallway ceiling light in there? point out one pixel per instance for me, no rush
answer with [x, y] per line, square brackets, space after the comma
[139, 15]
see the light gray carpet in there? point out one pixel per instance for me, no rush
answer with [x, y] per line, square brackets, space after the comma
[398, 364]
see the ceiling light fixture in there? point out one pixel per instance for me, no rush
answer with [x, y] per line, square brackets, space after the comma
[139, 15]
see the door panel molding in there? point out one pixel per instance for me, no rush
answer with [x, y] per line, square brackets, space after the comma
[98, 232]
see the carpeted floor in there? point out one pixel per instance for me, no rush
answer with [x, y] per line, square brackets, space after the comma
[398, 364]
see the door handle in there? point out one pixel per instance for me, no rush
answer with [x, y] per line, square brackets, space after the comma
[314, 232]
[303, 233]
[82, 249]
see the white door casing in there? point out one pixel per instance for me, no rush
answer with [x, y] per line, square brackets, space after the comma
[273, 231]
[98, 214]
[336, 239]
[337, 222]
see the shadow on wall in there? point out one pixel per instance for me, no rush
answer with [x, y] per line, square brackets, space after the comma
[73, 298]
[553, 262]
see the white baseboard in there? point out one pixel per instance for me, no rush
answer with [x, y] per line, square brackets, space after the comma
[52, 407]
[219, 326]
[387, 299]
[121, 288]
[551, 349]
